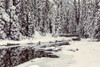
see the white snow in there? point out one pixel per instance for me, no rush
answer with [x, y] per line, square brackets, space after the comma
[34, 66]
[88, 55]
[37, 38]
[55, 6]
[84, 53]
[13, 7]
[5, 16]
[51, 1]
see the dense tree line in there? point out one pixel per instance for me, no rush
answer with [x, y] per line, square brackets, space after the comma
[21, 18]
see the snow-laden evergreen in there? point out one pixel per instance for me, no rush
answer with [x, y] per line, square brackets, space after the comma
[57, 17]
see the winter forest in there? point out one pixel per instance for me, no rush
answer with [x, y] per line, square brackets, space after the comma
[57, 26]
[22, 18]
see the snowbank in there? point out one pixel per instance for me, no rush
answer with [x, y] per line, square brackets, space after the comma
[87, 55]
[37, 38]
[34, 66]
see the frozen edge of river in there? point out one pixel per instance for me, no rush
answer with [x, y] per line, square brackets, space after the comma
[86, 56]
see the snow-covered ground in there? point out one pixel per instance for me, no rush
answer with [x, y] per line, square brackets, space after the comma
[88, 54]
[36, 39]
[79, 54]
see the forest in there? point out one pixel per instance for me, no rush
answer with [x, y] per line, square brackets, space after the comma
[49, 33]
[20, 19]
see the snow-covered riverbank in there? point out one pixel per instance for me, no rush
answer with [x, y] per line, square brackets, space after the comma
[78, 54]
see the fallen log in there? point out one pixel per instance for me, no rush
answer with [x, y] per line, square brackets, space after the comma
[76, 39]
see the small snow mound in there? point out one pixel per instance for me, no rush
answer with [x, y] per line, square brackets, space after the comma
[37, 35]
[34, 66]
[51, 1]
